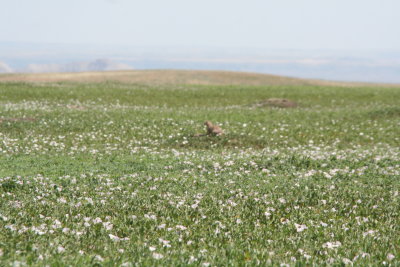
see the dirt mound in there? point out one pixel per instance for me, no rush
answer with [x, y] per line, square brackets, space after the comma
[276, 102]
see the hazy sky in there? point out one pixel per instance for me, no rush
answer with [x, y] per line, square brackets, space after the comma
[286, 24]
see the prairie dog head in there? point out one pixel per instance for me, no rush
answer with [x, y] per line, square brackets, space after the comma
[208, 123]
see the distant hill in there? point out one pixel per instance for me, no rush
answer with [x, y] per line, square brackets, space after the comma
[96, 65]
[174, 77]
[4, 68]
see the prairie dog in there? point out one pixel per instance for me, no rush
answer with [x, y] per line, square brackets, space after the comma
[213, 129]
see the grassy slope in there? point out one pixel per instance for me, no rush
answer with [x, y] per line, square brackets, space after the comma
[174, 77]
[128, 148]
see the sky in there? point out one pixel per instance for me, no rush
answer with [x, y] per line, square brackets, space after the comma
[284, 24]
[352, 40]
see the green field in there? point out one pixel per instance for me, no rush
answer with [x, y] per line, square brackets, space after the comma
[109, 174]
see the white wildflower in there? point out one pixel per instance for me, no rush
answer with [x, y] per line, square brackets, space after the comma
[150, 216]
[229, 163]
[332, 245]
[346, 261]
[97, 220]
[157, 256]
[165, 243]
[390, 257]
[56, 224]
[11, 227]
[114, 237]
[369, 232]
[300, 227]
[61, 200]
[18, 264]
[99, 258]
[181, 227]
[89, 200]
[108, 225]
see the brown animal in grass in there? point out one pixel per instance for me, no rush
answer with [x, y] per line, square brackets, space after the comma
[211, 129]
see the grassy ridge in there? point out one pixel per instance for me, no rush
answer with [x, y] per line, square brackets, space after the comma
[110, 174]
[174, 77]
[160, 77]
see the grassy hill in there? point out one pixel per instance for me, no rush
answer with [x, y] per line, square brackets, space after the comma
[163, 77]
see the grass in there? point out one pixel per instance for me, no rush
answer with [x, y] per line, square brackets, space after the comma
[109, 174]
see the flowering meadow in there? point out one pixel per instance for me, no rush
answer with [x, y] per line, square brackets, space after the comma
[111, 174]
